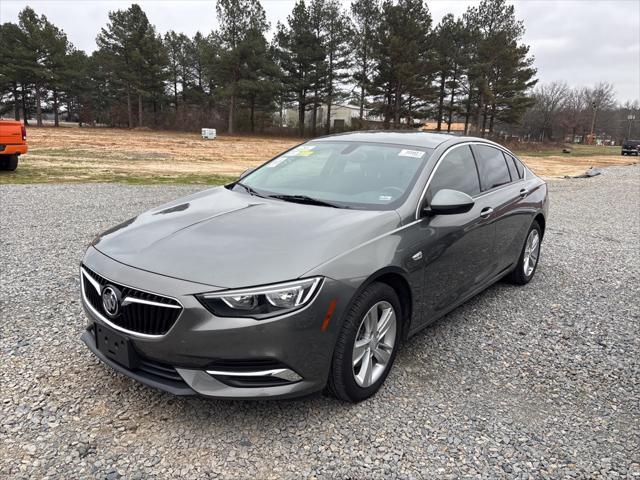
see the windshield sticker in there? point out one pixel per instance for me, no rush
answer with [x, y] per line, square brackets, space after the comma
[385, 198]
[411, 153]
[276, 162]
[303, 151]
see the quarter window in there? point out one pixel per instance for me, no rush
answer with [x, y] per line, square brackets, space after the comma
[492, 167]
[518, 164]
[512, 166]
[456, 171]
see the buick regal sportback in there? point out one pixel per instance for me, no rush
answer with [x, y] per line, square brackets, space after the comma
[308, 272]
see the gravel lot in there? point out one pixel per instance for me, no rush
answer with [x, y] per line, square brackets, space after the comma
[534, 382]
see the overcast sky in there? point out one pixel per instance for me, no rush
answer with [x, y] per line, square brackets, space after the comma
[579, 41]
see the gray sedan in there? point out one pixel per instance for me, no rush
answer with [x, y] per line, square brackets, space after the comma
[308, 272]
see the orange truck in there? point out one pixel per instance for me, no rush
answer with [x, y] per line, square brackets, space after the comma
[13, 143]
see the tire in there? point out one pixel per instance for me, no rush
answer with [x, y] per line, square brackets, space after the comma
[344, 383]
[523, 272]
[9, 162]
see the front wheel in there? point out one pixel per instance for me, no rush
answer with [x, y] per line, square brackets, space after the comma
[367, 344]
[528, 261]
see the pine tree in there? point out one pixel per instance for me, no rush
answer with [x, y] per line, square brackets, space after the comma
[318, 74]
[76, 84]
[366, 19]
[33, 56]
[449, 44]
[176, 46]
[297, 53]
[338, 31]
[130, 44]
[241, 22]
[403, 60]
[196, 56]
[13, 60]
[55, 63]
[501, 72]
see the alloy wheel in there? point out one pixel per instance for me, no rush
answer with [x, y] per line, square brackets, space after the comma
[374, 344]
[531, 253]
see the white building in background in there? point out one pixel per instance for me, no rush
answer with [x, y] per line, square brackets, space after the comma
[342, 116]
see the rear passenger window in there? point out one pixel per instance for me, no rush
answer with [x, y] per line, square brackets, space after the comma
[492, 167]
[456, 171]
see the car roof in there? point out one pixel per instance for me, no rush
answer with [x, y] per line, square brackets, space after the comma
[400, 137]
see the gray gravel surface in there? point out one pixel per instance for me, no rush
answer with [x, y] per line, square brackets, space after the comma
[541, 381]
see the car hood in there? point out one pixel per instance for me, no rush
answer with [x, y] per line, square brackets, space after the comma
[231, 239]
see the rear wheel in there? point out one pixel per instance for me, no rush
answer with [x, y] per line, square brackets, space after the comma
[367, 344]
[8, 162]
[528, 262]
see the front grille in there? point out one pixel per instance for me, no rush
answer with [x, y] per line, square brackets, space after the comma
[135, 317]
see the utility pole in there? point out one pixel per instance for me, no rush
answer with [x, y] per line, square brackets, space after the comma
[631, 118]
[593, 120]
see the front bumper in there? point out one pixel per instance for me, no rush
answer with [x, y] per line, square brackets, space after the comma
[301, 343]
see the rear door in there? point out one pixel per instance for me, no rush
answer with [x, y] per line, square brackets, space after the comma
[504, 192]
[457, 248]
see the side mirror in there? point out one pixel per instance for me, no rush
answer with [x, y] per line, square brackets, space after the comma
[449, 202]
[246, 172]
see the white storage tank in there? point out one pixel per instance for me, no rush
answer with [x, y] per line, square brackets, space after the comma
[208, 133]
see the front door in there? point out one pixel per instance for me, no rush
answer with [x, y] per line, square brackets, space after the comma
[457, 249]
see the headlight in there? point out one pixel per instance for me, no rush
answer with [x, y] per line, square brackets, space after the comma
[262, 302]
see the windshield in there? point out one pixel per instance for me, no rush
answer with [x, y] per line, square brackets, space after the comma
[344, 174]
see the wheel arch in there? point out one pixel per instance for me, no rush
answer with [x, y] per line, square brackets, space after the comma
[542, 222]
[396, 278]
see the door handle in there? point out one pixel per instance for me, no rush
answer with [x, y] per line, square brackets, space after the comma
[524, 192]
[486, 212]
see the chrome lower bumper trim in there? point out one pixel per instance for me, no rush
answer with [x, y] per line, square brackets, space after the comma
[282, 373]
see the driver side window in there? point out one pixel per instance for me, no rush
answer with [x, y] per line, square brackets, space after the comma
[456, 171]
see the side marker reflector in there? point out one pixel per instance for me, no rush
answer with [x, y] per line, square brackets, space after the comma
[327, 317]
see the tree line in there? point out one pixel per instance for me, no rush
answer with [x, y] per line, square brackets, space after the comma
[560, 112]
[387, 57]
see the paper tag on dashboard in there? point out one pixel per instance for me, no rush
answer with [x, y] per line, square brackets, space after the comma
[276, 162]
[411, 153]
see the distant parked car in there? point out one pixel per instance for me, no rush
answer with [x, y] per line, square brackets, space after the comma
[13, 143]
[631, 147]
[310, 270]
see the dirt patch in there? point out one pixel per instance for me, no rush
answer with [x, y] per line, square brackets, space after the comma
[145, 156]
[95, 154]
[559, 166]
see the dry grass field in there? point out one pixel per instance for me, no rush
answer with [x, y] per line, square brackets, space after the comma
[138, 156]
[75, 155]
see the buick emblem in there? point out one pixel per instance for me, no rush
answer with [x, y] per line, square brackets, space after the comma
[111, 301]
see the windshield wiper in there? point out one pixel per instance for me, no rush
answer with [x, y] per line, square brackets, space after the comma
[250, 190]
[306, 200]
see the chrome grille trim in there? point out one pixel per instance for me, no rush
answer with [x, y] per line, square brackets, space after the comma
[127, 300]
[84, 274]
